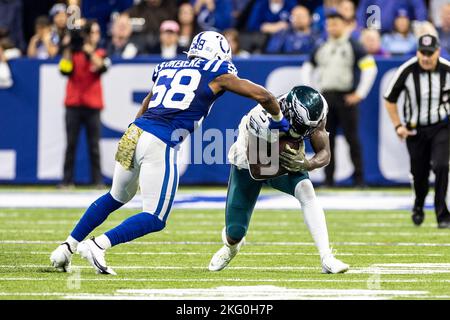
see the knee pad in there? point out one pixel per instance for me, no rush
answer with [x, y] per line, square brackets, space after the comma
[236, 231]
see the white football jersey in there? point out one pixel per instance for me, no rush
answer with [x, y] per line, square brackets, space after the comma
[256, 122]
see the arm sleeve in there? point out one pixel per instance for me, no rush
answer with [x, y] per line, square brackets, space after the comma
[369, 72]
[396, 85]
[5, 76]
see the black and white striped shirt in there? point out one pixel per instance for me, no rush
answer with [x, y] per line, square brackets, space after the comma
[426, 92]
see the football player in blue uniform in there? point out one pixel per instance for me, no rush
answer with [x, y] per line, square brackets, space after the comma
[182, 95]
[306, 110]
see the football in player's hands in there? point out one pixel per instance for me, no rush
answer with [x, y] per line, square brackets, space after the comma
[263, 165]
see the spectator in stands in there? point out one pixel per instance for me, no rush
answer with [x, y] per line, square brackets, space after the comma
[188, 25]
[270, 16]
[11, 20]
[6, 80]
[444, 30]
[338, 60]
[103, 11]
[371, 41]
[84, 63]
[435, 8]
[401, 40]
[168, 47]
[120, 44]
[58, 14]
[150, 14]
[319, 15]
[9, 50]
[347, 9]
[42, 45]
[214, 14]
[232, 36]
[388, 11]
[298, 38]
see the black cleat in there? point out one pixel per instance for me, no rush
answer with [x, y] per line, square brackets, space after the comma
[418, 216]
[444, 223]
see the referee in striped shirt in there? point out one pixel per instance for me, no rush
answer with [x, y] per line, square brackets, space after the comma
[425, 80]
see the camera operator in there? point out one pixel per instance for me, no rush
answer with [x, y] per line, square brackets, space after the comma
[84, 63]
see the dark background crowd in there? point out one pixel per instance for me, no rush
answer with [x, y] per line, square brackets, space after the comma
[40, 29]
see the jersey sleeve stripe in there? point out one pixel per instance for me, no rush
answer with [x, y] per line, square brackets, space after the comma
[217, 66]
[208, 65]
[397, 75]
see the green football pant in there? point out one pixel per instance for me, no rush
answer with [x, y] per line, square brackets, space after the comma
[243, 192]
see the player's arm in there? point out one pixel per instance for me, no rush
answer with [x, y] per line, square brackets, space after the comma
[246, 88]
[144, 106]
[320, 143]
[295, 160]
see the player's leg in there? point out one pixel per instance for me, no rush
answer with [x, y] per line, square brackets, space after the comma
[440, 166]
[420, 156]
[158, 180]
[299, 186]
[242, 194]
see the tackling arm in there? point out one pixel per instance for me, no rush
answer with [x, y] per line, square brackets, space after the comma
[144, 106]
[246, 88]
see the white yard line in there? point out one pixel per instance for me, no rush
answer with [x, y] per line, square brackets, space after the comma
[202, 243]
[193, 280]
[155, 253]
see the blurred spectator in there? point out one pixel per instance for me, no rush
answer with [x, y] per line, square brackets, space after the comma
[84, 63]
[168, 47]
[298, 38]
[147, 17]
[371, 41]
[347, 9]
[232, 36]
[319, 15]
[120, 44]
[188, 25]
[444, 30]
[11, 20]
[58, 14]
[346, 74]
[401, 40]
[270, 16]
[435, 8]
[6, 80]
[103, 11]
[214, 14]
[42, 45]
[9, 50]
[388, 11]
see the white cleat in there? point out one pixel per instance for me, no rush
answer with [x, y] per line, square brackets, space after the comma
[61, 257]
[332, 265]
[95, 255]
[223, 257]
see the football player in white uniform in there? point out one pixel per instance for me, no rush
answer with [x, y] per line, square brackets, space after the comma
[306, 110]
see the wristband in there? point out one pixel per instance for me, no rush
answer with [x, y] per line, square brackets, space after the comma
[278, 117]
[398, 126]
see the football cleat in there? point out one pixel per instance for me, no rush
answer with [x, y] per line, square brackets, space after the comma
[332, 265]
[61, 257]
[223, 257]
[95, 255]
[444, 223]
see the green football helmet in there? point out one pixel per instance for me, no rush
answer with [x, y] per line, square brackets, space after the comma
[305, 108]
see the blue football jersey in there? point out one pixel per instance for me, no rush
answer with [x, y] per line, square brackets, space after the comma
[181, 97]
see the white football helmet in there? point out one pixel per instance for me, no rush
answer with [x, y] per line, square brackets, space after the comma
[210, 45]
